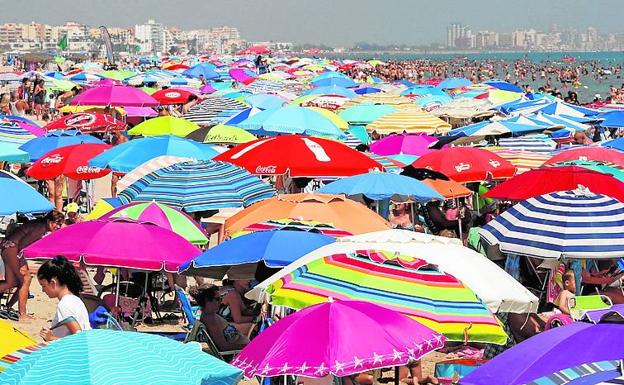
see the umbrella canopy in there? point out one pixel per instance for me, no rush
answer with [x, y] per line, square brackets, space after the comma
[171, 96]
[13, 339]
[408, 285]
[147, 168]
[71, 161]
[129, 155]
[408, 144]
[239, 257]
[205, 69]
[221, 133]
[16, 196]
[335, 343]
[15, 134]
[300, 156]
[601, 167]
[99, 357]
[451, 83]
[162, 216]
[38, 147]
[243, 75]
[114, 95]
[409, 120]
[336, 210]
[86, 122]
[381, 185]
[467, 164]
[331, 78]
[164, 125]
[10, 152]
[598, 154]
[291, 120]
[541, 355]
[567, 224]
[265, 101]
[119, 242]
[536, 143]
[552, 179]
[206, 111]
[366, 113]
[449, 189]
[294, 225]
[523, 160]
[331, 90]
[198, 186]
[486, 128]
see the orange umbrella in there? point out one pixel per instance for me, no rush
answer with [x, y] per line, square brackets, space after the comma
[449, 189]
[336, 210]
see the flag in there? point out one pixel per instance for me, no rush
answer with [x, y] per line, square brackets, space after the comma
[62, 44]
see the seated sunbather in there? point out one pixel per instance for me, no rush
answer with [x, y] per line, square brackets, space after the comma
[600, 281]
[567, 293]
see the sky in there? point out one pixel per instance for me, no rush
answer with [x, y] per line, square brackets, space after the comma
[333, 22]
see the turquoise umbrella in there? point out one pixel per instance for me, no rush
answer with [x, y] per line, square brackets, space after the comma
[291, 120]
[363, 114]
[9, 152]
[107, 357]
[16, 196]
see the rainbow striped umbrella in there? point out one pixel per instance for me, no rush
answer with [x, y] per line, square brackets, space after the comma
[523, 160]
[410, 119]
[294, 224]
[405, 284]
[17, 355]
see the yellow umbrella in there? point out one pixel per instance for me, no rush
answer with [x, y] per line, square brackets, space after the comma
[379, 98]
[73, 109]
[337, 120]
[101, 207]
[409, 120]
[497, 97]
[13, 339]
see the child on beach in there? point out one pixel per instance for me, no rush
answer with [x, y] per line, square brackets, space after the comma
[566, 296]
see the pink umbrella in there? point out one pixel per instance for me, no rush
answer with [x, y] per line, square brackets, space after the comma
[207, 89]
[119, 243]
[338, 338]
[243, 75]
[406, 144]
[114, 95]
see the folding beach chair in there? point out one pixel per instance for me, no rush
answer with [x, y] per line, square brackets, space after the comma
[579, 305]
[199, 334]
[190, 312]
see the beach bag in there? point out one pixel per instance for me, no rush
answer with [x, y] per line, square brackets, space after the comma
[445, 370]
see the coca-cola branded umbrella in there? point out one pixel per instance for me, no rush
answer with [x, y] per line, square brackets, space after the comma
[71, 161]
[86, 122]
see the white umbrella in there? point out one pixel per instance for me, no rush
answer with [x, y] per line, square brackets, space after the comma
[500, 291]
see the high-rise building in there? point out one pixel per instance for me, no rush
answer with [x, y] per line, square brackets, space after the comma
[151, 37]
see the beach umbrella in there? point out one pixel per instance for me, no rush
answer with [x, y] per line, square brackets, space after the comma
[38, 147]
[325, 102]
[335, 346]
[332, 117]
[199, 186]
[243, 75]
[409, 120]
[221, 134]
[331, 78]
[291, 120]
[83, 78]
[613, 119]
[331, 90]
[206, 69]
[503, 85]
[381, 185]
[296, 225]
[522, 160]
[617, 144]
[300, 156]
[598, 154]
[408, 144]
[164, 125]
[114, 95]
[13, 357]
[451, 83]
[365, 113]
[541, 144]
[162, 216]
[171, 96]
[257, 49]
[103, 206]
[204, 112]
[467, 164]
[148, 167]
[71, 161]
[424, 91]
[117, 74]
[408, 285]
[486, 128]
[102, 357]
[129, 155]
[264, 101]
[449, 189]
[86, 122]
[118, 242]
[16, 196]
[15, 134]
[239, 257]
[566, 224]
[540, 356]
[10, 152]
[565, 109]
[242, 115]
[367, 90]
[336, 210]
[604, 168]
[552, 179]
[13, 339]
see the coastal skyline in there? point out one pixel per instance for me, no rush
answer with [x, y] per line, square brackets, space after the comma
[336, 23]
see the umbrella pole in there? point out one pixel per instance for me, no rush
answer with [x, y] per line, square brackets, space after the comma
[459, 221]
[117, 291]
[396, 375]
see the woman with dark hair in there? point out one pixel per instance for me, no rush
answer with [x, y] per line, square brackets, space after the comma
[58, 279]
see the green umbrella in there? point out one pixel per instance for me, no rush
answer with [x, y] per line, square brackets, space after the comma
[366, 113]
[148, 90]
[164, 125]
[162, 216]
[117, 74]
[221, 134]
[598, 166]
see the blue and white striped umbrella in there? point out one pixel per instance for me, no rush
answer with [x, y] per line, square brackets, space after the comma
[570, 224]
[107, 357]
[535, 143]
[198, 186]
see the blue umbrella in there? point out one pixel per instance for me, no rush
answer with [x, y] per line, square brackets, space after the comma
[331, 90]
[206, 69]
[496, 128]
[242, 115]
[380, 185]
[365, 113]
[503, 85]
[277, 249]
[332, 78]
[367, 90]
[431, 101]
[198, 186]
[291, 120]
[38, 147]
[107, 357]
[129, 155]
[10, 152]
[264, 101]
[613, 119]
[451, 83]
[16, 196]
[424, 91]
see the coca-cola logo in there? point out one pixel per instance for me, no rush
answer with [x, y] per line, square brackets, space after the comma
[462, 167]
[80, 120]
[87, 170]
[172, 95]
[494, 163]
[266, 169]
[52, 159]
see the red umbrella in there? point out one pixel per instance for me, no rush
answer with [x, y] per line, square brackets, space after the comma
[86, 122]
[301, 156]
[598, 154]
[172, 96]
[255, 50]
[551, 179]
[467, 164]
[71, 161]
[174, 67]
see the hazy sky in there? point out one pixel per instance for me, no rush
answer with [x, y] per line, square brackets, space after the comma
[335, 22]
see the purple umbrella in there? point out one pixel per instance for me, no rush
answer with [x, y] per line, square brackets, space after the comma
[114, 95]
[338, 338]
[551, 351]
[207, 89]
[408, 144]
[118, 243]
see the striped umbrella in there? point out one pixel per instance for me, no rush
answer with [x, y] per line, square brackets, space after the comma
[379, 98]
[212, 105]
[409, 120]
[570, 224]
[13, 133]
[103, 357]
[198, 186]
[12, 358]
[294, 224]
[538, 143]
[523, 160]
[405, 284]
